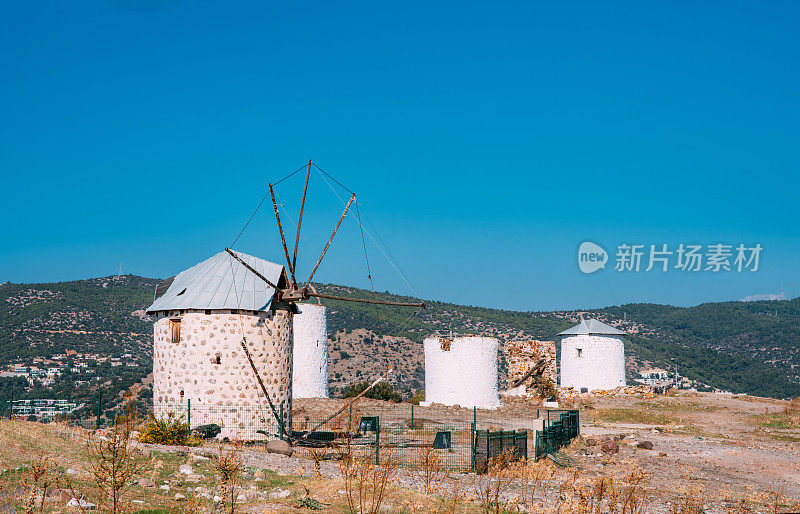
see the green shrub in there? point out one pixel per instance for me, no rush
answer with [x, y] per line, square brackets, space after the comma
[382, 391]
[172, 430]
[417, 397]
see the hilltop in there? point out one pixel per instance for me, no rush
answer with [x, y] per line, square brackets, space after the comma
[100, 324]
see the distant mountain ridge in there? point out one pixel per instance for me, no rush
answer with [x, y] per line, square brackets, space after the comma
[764, 296]
[749, 347]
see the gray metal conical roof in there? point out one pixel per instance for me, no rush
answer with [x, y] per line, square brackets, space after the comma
[219, 282]
[591, 327]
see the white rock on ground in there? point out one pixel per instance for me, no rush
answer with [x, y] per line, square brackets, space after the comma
[280, 493]
[186, 469]
[74, 502]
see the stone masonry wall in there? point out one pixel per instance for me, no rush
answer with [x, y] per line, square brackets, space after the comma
[209, 367]
[522, 355]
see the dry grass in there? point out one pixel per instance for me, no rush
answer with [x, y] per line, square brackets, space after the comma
[366, 482]
[228, 463]
[786, 418]
[637, 416]
[452, 493]
[114, 458]
[429, 468]
[490, 488]
[35, 481]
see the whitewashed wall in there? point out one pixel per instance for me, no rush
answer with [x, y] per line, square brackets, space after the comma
[226, 393]
[466, 375]
[600, 366]
[310, 367]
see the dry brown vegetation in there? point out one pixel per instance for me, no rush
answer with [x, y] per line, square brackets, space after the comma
[728, 461]
[228, 464]
[114, 458]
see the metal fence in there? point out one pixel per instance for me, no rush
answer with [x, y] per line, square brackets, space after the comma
[374, 432]
[560, 428]
[458, 445]
[491, 445]
[251, 423]
[406, 441]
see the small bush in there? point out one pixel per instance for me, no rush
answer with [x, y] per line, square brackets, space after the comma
[417, 397]
[172, 430]
[382, 391]
[545, 388]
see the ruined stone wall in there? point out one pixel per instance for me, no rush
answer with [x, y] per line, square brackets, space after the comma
[522, 355]
[208, 366]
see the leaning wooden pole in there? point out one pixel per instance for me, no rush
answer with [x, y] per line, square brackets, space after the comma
[300, 219]
[283, 238]
[348, 404]
[325, 250]
[366, 300]
[259, 275]
[263, 387]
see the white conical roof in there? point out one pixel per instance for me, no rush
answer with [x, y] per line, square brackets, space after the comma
[219, 282]
[591, 326]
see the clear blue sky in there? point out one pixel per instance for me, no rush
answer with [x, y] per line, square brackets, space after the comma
[486, 141]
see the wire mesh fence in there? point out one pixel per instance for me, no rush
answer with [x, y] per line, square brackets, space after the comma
[457, 445]
[240, 422]
[560, 428]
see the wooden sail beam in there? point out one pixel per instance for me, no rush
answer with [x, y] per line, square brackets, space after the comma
[348, 404]
[325, 250]
[263, 387]
[283, 238]
[536, 370]
[300, 219]
[365, 300]
[304, 294]
[256, 273]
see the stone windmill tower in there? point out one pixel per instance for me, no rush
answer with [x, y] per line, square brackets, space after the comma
[592, 356]
[202, 316]
[224, 337]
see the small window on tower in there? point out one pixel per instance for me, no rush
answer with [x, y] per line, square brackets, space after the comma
[580, 352]
[175, 330]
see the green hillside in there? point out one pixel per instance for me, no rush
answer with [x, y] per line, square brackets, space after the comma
[742, 347]
[736, 346]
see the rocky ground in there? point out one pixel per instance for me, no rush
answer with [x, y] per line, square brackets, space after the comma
[664, 454]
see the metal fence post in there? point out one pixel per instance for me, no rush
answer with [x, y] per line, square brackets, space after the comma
[472, 447]
[189, 413]
[280, 423]
[377, 440]
[472, 437]
[99, 406]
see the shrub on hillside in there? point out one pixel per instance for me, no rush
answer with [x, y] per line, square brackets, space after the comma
[417, 397]
[172, 430]
[382, 391]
